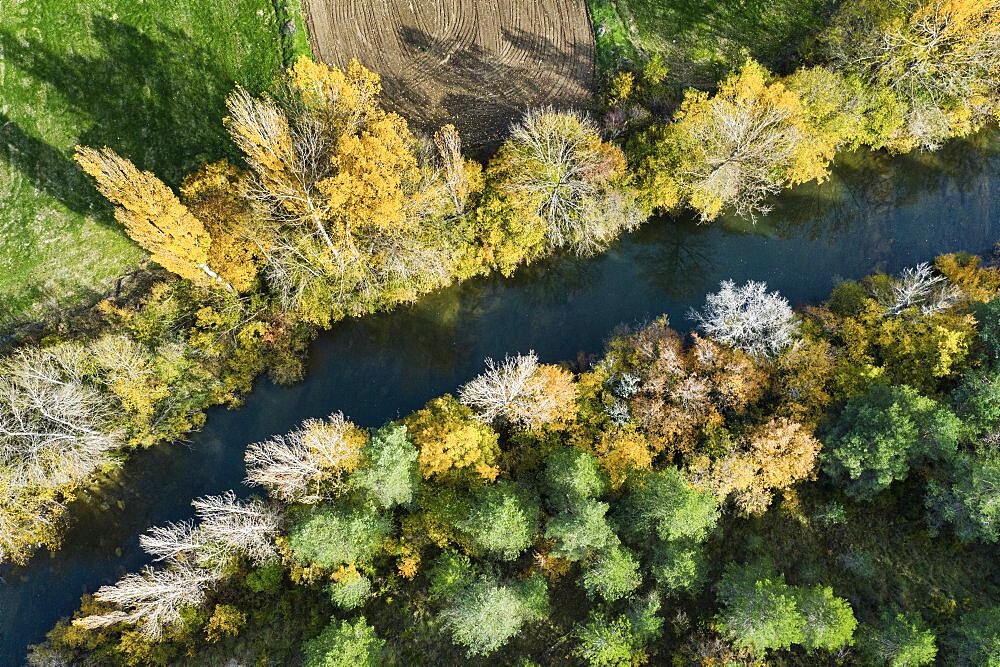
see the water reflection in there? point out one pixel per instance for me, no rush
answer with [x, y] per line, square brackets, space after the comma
[876, 212]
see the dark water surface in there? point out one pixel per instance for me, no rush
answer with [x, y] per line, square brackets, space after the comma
[876, 213]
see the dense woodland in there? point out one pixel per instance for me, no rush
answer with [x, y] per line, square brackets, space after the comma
[800, 487]
[796, 488]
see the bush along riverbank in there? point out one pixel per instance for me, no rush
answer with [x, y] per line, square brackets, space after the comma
[339, 210]
[782, 486]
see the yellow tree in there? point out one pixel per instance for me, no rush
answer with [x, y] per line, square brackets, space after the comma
[939, 58]
[286, 166]
[152, 215]
[450, 440]
[773, 456]
[373, 171]
[732, 150]
[213, 195]
[339, 181]
[333, 160]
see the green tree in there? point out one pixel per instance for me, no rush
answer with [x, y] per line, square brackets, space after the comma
[571, 476]
[830, 621]
[351, 589]
[667, 505]
[974, 641]
[331, 536]
[977, 400]
[608, 643]
[611, 574]
[968, 497]
[880, 434]
[580, 531]
[759, 609]
[345, 644]
[897, 639]
[502, 521]
[488, 614]
[388, 474]
[451, 573]
[988, 331]
[679, 565]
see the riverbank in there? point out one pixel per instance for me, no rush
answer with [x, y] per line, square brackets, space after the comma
[876, 213]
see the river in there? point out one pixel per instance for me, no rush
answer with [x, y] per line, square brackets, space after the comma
[876, 213]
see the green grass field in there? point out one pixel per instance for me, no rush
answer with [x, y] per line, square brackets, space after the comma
[147, 78]
[702, 39]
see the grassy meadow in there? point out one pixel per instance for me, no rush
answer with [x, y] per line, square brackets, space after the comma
[702, 39]
[147, 78]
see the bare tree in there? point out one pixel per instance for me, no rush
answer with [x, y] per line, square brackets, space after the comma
[499, 391]
[556, 162]
[449, 146]
[287, 161]
[297, 467]
[920, 287]
[518, 392]
[748, 318]
[171, 541]
[55, 429]
[153, 598]
[196, 555]
[229, 528]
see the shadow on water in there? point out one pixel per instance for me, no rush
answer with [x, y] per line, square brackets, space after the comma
[875, 214]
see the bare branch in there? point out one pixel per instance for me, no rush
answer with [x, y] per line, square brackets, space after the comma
[748, 318]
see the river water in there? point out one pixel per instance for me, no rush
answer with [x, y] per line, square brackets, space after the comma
[876, 213]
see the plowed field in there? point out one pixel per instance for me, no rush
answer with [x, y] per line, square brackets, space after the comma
[475, 63]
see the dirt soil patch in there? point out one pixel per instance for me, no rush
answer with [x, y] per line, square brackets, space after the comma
[474, 63]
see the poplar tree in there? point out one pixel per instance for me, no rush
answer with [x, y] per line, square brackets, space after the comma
[152, 215]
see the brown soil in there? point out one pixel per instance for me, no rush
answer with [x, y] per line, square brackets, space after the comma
[474, 63]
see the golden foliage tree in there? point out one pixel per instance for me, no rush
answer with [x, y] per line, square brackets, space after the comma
[621, 452]
[214, 196]
[152, 215]
[450, 439]
[346, 192]
[772, 457]
[732, 150]
[939, 58]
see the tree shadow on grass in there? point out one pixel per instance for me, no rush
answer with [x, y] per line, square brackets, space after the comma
[51, 170]
[154, 97]
[771, 32]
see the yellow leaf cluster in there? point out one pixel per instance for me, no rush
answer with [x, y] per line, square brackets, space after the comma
[346, 97]
[449, 439]
[151, 213]
[214, 196]
[373, 168]
[978, 283]
[621, 452]
[772, 457]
